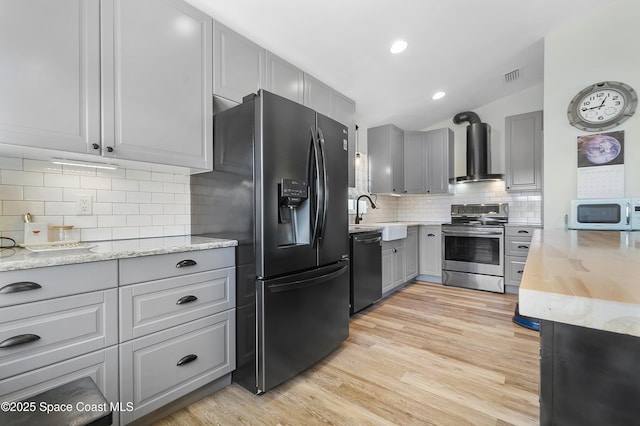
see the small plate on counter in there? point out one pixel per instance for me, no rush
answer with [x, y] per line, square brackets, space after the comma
[54, 247]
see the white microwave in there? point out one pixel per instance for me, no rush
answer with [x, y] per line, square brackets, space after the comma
[620, 214]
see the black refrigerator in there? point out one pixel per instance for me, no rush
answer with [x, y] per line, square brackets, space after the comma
[279, 186]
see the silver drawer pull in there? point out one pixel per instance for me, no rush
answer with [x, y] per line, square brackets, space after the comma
[20, 339]
[522, 231]
[19, 286]
[186, 262]
[431, 235]
[186, 299]
[187, 359]
[519, 272]
[523, 247]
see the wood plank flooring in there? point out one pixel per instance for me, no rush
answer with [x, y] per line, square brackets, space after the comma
[427, 355]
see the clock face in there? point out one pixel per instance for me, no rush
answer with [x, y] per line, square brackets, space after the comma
[601, 106]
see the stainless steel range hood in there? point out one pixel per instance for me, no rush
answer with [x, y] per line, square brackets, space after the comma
[478, 149]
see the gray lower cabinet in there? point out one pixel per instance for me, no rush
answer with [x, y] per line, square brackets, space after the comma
[385, 146]
[239, 64]
[428, 161]
[50, 79]
[517, 242]
[393, 264]
[412, 253]
[523, 152]
[431, 250]
[161, 367]
[58, 324]
[177, 326]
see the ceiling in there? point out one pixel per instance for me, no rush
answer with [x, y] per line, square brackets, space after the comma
[462, 47]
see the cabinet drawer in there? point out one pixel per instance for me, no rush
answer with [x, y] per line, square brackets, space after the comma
[101, 366]
[150, 376]
[31, 285]
[517, 246]
[149, 307]
[513, 269]
[46, 332]
[148, 268]
[519, 231]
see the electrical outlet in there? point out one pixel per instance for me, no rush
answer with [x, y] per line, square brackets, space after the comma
[84, 205]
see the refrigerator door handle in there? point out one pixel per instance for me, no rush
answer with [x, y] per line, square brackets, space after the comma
[314, 167]
[307, 282]
[325, 189]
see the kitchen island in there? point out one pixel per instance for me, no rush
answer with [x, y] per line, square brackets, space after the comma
[583, 286]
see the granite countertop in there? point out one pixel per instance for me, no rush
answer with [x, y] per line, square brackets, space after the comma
[20, 258]
[584, 278]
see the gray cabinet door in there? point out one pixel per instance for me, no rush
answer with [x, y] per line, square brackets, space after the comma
[411, 253]
[283, 78]
[317, 95]
[386, 159]
[439, 160]
[157, 82]
[523, 141]
[400, 265]
[50, 74]
[415, 181]
[431, 250]
[387, 269]
[239, 64]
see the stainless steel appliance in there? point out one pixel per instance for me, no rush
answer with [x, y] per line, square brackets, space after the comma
[473, 246]
[365, 257]
[279, 187]
[609, 214]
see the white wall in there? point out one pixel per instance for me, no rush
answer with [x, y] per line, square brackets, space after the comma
[602, 47]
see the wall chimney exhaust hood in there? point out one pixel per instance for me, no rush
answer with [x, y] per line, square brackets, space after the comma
[478, 150]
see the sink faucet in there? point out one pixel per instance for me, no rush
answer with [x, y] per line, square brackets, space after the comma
[373, 206]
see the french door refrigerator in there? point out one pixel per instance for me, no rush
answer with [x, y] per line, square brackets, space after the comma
[279, 187]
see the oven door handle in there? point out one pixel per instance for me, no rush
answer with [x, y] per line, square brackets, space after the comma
[472, 233]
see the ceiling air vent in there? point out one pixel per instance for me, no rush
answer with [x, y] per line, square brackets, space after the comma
[512, 76]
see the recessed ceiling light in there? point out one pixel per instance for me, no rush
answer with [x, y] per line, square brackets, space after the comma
[398, 46]
[438, 95]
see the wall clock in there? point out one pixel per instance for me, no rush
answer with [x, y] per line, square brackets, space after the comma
[602, 106]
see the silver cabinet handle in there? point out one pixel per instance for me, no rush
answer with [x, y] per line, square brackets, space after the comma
[522, 231]
[20, 339]
[519, 272]
[187, 359]
[186, 262]
[431, 235]
[19, 286]
[186, 299]
[523, 247]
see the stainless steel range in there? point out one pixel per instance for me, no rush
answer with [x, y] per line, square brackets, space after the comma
[473, 246]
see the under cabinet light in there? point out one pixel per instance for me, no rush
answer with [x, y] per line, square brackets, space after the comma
[89, 164]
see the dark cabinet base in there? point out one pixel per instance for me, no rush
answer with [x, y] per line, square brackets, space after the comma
[588, 376]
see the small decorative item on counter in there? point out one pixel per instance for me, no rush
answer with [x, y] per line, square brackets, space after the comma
[35, 233]
[66, 233]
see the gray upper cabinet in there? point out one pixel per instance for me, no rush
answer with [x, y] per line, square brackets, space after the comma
[157, 82]
[317, 95]
[284, 79]
[386, 159]
[50, 83]
[440, 160]
[523, 140]
[239, 64]
[428, 161]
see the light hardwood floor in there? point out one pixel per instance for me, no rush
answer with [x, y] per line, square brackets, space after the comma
[427, 355]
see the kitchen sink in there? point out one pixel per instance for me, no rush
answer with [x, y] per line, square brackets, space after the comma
[393, 231]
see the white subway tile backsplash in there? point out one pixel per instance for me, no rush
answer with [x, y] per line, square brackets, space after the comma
[127, 203]
[62, 181]
[40, 193]
[18, 177]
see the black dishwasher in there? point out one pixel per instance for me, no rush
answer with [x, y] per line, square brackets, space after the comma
[366, 269]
